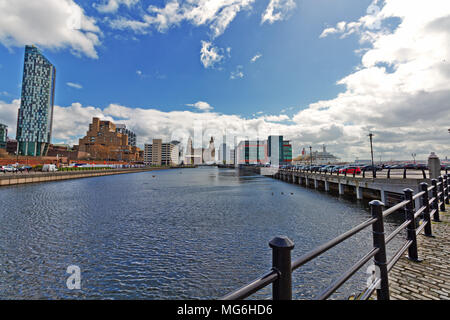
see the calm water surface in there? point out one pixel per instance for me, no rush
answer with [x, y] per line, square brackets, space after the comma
[173, 234]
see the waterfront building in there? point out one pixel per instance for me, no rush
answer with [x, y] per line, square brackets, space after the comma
[209, 154]
[11, 146]
[132, 140]
[159, 153]
[232, 156]
[276, 150]
[287, 152]
[180, 151]
[104, 142]
[252, 152]
[3, 135]
[35, 117]
[224, 154]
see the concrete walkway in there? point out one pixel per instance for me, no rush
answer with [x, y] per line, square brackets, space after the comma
[430, 279]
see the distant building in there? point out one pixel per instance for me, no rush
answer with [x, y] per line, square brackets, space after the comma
[104, 142]
[209, 154]
[252, 152]
[224, 154]
[180, 151]
[121, 128]
[34, 122]
[159, 153]
[279, 151]
[232, 156]
[287, 152]
[3, 135]
[11, 146]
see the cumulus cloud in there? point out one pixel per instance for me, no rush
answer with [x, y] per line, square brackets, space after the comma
[53, 24]
[401, 89]
[210, 55]
[74, 85]
[256, 57]
[111, 6]
[215, 14]
[277, 10]
[201, 105]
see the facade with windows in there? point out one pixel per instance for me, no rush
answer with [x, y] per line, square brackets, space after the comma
[104, 142]
[159, 153]
[287, 152]
[34, 122]
[252, 152]
[121, 128]
[3, 135]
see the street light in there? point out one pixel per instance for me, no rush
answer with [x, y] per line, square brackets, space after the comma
[414, 157]
[374, 172]
[310, 155]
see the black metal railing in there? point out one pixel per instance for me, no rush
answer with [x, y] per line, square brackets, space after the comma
[363, 172]
[416, 221]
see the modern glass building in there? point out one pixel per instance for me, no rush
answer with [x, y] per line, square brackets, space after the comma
[34, 122]
[252, 152]
[3, 135]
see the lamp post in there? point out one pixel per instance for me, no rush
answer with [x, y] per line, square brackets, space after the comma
[374, 172]
[310, 155]
[414, 157]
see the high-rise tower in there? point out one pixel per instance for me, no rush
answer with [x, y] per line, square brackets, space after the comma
[34, 122]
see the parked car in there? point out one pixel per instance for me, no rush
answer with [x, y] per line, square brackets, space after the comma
[350, 170]
[421, 166]
[9, 169]
[336, 169]
[410, 166]
[370, 168]
[49, 168]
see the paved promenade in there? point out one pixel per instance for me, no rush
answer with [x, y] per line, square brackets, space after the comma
[430, 279]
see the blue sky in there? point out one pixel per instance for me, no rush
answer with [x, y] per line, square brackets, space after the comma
[324, 71]
[296, 67]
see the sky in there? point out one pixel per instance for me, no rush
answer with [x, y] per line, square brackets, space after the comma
[316, 71]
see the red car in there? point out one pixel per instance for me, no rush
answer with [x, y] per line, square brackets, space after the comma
[350, 170]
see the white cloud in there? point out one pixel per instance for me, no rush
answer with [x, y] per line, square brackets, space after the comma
[111, 6]
[217, 14]
[74, 85]
[201, 105]
[401, 92]
[277, 10]
[256, 57]
[238, 73]
[210, 55]
[53, 24]
[402, 87]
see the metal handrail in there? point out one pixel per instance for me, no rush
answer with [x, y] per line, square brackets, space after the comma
[395, 208]
[281, 274]
[339, 282]
[330, 244]
[253, 286]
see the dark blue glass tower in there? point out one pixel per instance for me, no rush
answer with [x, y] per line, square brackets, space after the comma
[34, 122]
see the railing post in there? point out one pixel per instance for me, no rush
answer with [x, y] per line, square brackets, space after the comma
[442, 197]
[411, 228]
[281, 262]
[376, 208]
[436, 201]
[447, 200]
[426, 212]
